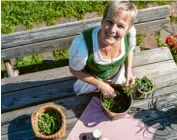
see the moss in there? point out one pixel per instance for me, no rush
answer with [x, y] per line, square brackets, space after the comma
[160, 43]
[173, 19]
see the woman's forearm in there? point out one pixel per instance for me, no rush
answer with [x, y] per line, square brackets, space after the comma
[129, 61]
[86, 77]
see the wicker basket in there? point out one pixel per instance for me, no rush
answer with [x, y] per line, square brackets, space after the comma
[143, 95]
[34, 120]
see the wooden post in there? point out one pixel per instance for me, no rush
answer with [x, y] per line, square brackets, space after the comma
[9, 68]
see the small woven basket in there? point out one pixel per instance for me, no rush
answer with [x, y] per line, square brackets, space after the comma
[34, 120]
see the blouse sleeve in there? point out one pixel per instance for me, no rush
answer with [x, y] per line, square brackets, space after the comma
[132, 38]
[78, 53]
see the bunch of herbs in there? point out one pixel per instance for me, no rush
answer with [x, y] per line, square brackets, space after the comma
[144, 84]
[118, 104]
[49, 122]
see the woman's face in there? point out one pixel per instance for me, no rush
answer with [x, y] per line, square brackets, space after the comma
[114, 28]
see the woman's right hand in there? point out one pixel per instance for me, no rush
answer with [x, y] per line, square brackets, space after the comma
[106, 90]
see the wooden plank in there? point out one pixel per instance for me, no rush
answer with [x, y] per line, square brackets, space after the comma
[172, 135]
[36, 79]
[166, 128]
[23, 122]
[155, 69]
[59, 74]
[51, 45]
[72, 107]
[164, 80]
[28, 134]
[151, 56]
[39, 47]
[72, 103]
[36, 95]
[70, 29]
[77, 104]
[145, 115]
[152, 26]
[20, 98]
[153, 13]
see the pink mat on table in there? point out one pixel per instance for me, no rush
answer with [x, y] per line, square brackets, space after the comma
[93, 118]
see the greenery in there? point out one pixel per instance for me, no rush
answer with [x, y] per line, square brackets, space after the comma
[174, 54]
[144, 84]
[160, 43]
[139, 38]
[49, 122]
[28, 60]
[61, 54]
[144, 4]
[29, 13]
[117, 104]
[173, 19]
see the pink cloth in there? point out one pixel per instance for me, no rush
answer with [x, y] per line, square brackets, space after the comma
[93, 118]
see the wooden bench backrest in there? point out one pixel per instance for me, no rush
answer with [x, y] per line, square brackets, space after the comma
[60, 36]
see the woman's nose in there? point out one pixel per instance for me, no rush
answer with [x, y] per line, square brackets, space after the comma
[113, 28]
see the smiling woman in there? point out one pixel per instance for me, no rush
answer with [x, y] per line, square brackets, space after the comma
[97, 56]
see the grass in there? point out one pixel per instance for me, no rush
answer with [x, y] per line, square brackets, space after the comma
[29, 13]
[173, 19]
[160, 43]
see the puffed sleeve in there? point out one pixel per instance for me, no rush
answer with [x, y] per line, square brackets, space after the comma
[132, 37]
[78, 53]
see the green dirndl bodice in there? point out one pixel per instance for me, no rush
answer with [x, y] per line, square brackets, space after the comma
[101, 71]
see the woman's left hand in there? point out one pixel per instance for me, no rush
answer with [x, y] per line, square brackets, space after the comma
[129, 78]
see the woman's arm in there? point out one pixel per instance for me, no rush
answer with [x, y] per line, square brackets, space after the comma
[105, 89]
[86, 77]
[128, 65]
[128, 69]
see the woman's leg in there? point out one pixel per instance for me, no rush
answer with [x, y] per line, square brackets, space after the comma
[81, 87]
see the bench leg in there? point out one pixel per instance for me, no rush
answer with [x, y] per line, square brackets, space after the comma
[9, 68]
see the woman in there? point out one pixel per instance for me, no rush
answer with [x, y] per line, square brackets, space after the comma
[97, 56]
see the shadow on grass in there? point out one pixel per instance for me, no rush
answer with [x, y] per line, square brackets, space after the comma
[45, 65]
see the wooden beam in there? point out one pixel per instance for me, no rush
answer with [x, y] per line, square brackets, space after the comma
[78, 103]
[60, 43]
[160, 74]
[9, 68]
[62, 73]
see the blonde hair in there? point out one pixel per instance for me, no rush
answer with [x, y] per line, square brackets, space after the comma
[118, 6]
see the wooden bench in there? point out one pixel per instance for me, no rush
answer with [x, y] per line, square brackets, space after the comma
[23, 94]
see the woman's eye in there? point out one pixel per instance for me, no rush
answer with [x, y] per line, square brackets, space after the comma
[110, 22]
[120, 26]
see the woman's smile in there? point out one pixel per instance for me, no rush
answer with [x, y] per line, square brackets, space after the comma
[110, 38]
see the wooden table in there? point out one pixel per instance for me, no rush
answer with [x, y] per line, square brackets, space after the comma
[24, 94]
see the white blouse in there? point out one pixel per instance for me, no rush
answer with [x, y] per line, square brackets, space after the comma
[78, 53]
